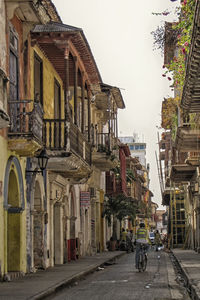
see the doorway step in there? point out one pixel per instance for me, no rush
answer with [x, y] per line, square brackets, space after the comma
[15, 275]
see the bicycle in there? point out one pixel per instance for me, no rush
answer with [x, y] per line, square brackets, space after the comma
[142, 263]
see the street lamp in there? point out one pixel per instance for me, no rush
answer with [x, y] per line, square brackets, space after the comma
[42, 162]
[43, 159]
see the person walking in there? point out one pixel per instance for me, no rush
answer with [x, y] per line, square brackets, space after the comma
[123, 234]
[128, 241]
[158, 240]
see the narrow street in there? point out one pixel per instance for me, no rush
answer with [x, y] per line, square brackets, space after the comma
[122, 281]
[100, 149]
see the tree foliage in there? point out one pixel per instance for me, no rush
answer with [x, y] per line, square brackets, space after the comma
[169, 109]
[129, 174]
[119, 207]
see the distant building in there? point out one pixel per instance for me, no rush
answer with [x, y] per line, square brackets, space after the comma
[161, 220]
[137, 148]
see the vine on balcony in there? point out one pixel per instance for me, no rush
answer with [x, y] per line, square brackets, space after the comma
[181, 36]
[184, 31]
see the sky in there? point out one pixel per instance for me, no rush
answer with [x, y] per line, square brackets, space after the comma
[119, 35]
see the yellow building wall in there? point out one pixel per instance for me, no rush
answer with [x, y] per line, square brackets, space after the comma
[49, 74]
[13, 219]
[3, 157]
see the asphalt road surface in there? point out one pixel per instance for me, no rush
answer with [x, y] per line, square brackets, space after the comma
[121, 281]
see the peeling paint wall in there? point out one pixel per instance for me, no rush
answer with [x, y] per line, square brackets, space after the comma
[3, 56]
[10, 221]
[2, 36]
[3, 147]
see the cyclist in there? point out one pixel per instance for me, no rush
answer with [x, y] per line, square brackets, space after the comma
[142, 237]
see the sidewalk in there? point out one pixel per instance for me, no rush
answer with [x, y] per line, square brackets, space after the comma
[189, 263]
[44, 283]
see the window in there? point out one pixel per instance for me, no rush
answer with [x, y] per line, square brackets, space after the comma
[131, 147]
[14, 66]
[38, 79]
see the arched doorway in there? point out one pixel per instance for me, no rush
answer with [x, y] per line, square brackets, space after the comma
[58, 233]
[13, 224]
[14, 203]
[65, 228]
[38, 229]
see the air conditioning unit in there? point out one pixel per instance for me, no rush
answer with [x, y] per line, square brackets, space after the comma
[92, 192]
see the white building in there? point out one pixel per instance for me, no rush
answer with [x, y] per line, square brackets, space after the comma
[137, 148]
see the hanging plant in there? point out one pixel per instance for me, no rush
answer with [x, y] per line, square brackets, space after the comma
[184, 31]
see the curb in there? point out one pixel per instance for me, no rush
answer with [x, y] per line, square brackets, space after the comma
[192, 289]
[66, 282]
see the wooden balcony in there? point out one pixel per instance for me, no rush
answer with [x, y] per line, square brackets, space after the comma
[193, 159]
[69, 151]
[182, 173]
[103, 156]
[26, 123]
[162, 155]
[120, 189]
[188, 138]
[166, 196]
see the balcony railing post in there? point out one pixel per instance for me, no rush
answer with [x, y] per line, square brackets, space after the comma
[60, 135]
[50, 135]
[55, 134]
[45, 134]
[65, 134]
[23, 118]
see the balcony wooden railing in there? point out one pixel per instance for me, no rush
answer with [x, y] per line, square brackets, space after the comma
[24, 121]
[194, 155]
[60, 135]
[103, 142]
[55, 134]
[79, 144]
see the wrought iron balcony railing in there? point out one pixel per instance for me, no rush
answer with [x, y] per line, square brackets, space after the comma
[26, 119]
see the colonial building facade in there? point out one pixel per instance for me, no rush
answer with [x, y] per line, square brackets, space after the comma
[53, 107]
